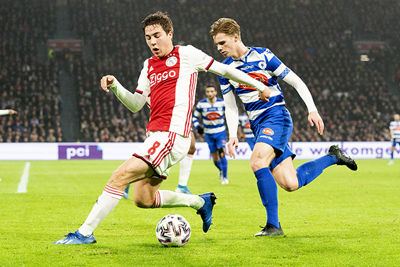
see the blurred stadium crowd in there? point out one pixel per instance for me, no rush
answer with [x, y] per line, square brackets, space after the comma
[313, 38]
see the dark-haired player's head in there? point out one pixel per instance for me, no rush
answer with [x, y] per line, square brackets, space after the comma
[158, 31]
[211, 92]
[226, 35]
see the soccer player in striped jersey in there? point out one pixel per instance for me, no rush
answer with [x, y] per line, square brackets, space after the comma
[395, 135]
[4, 112]
[271, 159]
[244, 123]
[168, 82]
[211, 111]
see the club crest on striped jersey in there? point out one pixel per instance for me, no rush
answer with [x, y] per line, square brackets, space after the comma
[213, 116]
[268, 131]
[171, 61]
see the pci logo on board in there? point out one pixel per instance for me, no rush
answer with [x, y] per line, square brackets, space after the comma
[80, 152]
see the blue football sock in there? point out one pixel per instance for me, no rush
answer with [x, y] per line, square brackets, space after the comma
[127, 189]
[269, 194]
[224, 166]
[308, 171]
[217, 164]
[391, 155]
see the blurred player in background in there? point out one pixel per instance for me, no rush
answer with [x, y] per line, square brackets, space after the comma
[244, 123]
[4, 112]
[168, 80]
[271, 159]
[394, 134]
[211, 110]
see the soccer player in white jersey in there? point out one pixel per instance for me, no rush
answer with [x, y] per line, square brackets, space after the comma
[271, 159]
[4, 112]
[211, 110]
[395, 135]
[244, 123]
[168, 81]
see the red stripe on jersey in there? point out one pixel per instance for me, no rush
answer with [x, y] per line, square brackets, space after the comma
[139, 91]
[192, 89]
[209, 64]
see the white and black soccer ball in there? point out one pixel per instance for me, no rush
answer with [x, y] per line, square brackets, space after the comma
[173, 230]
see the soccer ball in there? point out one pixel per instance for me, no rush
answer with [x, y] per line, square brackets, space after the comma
[173, 230]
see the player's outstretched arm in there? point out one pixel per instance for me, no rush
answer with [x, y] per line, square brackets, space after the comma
[313, 117]
[240, 77]
[232, 121]
[134, 102]
[7, 112]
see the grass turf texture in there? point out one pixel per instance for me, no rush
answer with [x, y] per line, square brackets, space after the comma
[343, 218]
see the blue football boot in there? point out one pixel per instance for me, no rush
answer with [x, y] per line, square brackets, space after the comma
[76, 239]
[182, 189]
[206, 211]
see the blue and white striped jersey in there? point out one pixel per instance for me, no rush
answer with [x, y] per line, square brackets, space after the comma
[213, 116]
[244, 122]
[261, 64]
[395, 127]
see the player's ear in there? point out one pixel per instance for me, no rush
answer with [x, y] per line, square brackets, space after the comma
[170, 34]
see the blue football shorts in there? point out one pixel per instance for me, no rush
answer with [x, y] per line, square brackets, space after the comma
[215, 141]
[275, 130]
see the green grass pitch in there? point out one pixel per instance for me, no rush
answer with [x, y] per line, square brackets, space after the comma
[343, 218]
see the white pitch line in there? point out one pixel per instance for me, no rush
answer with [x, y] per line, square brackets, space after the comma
[24, 179]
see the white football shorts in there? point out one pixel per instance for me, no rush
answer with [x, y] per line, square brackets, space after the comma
[162, 150]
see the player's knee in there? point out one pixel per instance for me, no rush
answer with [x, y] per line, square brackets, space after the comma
[257, 164]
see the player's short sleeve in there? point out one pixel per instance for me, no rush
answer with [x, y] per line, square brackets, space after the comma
[275, 65]
[391, 126]
[143, 86]
[199, 59]
[226, 87]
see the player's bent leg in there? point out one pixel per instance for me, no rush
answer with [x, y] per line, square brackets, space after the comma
[285, 175]
[132, 170]
[144, 192]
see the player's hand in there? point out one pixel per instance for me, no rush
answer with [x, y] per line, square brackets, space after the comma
[233, 143]
[315, 119]
[200, 130]
[264, 95]
[11, 112]
[106, 81]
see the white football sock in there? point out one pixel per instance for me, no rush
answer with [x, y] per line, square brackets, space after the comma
[106, 202]
[185, 168]
[168, 199]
